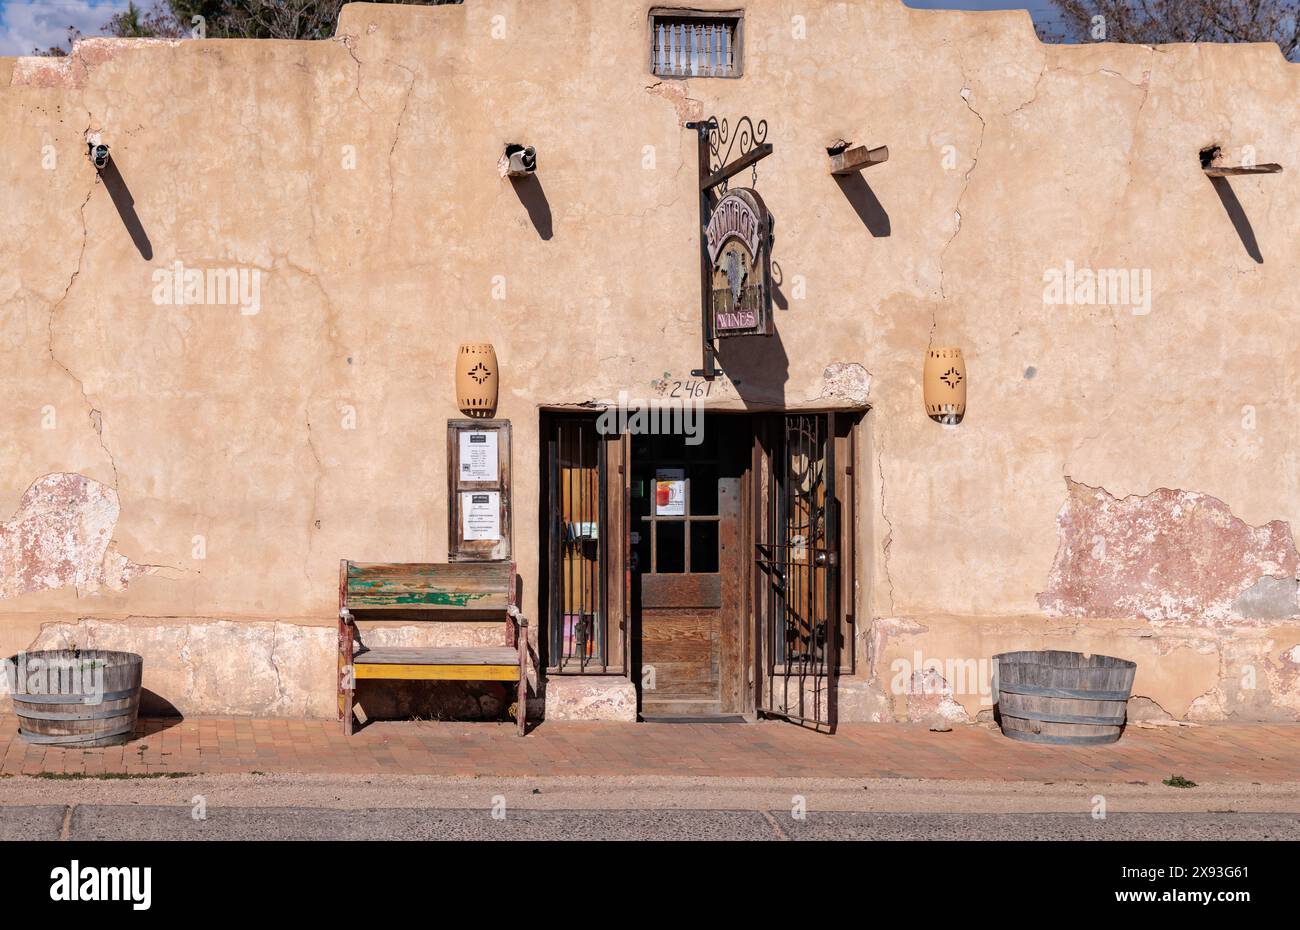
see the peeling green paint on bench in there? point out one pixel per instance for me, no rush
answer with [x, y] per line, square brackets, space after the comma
[452, 586]
[439, 597]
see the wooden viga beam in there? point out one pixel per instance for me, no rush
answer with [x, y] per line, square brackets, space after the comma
[1227, 171]
[855, 159]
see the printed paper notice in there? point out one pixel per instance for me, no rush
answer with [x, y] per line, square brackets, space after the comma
[478, 455]
[670, 492]
[480, 514]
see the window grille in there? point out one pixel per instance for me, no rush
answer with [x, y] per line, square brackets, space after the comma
[689, 44]
[578, 613]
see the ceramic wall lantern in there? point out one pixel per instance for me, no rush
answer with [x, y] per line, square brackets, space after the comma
[945, 385]
[477, 379]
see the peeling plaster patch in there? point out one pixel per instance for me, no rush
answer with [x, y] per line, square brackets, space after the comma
[1170, 555]
[577, 697]
[846, 381]
[62, 536]
[1284, 681]
[882, 629]
[1142, 709]
[71, 70]
[688, 108]
[863, 701]
[44, 72]
[929, 699]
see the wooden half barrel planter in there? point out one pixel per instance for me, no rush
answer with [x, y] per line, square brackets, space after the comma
[1067, 698]
[77, 698]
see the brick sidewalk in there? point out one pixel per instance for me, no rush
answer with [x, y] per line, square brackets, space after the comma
[211, 745]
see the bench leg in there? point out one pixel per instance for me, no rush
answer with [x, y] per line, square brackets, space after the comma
[521, 702]
[347, 683]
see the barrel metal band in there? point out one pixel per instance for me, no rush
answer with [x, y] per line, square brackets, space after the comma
[1063, 692]
[1028, 737]
[1067, 718]
[75, 715]
[73, 698]
[79, 738]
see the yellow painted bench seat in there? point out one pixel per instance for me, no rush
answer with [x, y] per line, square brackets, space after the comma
[483, 663]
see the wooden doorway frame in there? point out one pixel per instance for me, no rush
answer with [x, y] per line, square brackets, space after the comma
[735, 694]
[626, 658]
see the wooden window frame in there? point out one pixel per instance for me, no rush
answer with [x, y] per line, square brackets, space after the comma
[652, 520]
[736, 17]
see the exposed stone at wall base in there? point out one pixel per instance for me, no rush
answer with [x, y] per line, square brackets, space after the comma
[860, 700]
[272, 668]
[940, 667]
[206, 666]
[919, 670]
[583, 697]
[806, 698]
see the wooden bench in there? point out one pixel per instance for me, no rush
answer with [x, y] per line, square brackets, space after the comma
[430, 591]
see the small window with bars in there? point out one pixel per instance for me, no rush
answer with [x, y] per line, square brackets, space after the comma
[688, 43]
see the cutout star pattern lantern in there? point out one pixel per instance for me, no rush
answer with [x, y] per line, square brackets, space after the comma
[944, 385]
[477, 379]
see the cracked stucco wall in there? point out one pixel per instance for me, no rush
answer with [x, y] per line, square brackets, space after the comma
[247, 453]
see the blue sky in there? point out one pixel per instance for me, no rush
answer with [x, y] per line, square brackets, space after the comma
[1043, 11]
[28, 24]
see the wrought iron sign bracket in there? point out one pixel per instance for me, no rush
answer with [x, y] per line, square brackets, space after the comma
[714, 171]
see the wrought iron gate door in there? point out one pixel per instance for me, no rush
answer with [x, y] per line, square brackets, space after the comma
[798, 561]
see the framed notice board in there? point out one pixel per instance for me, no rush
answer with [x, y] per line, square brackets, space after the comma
[478, 488]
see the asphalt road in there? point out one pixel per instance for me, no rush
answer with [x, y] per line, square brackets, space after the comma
[175, 822]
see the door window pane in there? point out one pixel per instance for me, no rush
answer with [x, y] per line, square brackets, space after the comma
[704, 546]
[670, 547]
[704, 489]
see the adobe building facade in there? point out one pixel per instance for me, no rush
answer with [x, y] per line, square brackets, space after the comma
[185, 463]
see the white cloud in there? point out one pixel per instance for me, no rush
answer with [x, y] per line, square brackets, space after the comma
[29, 24]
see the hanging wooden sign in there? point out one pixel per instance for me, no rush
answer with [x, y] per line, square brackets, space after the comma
[738, 239]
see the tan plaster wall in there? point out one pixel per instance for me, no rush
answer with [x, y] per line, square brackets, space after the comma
[209, 423]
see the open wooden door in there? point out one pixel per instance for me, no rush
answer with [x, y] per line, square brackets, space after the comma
[688, 568]
[797, 554]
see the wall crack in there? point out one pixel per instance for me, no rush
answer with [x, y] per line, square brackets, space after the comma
[979, 145]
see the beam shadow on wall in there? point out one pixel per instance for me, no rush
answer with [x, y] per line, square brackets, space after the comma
[530, 193]
[859, 194]
[125, 204]
[1240, 222]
